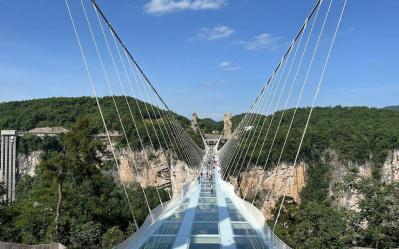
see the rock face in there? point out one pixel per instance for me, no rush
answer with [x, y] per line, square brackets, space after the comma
[27, 163]
[47, 131]
[228, 126]
[194, 122]
[146, 167]
[149, 168]
[349, 199]
[390, 169]
[181, 174]
[153, 169]
[272, 184]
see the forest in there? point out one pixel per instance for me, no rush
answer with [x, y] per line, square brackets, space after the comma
[144, 120]
[74, 198]
[358, 135]
[92, 212]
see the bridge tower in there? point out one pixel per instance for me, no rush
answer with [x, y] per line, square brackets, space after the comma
[8, 156]
[227, 126]
[194, 122]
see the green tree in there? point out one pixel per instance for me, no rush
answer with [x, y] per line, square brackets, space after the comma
[56, 167]
[2, 190]
[112, 237]
[85, 235]
[78, 156]
[321, 226]
[378, 220]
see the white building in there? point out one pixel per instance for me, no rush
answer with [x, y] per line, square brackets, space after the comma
[8, 166]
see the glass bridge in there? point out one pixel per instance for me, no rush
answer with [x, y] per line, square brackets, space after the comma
[208, 215]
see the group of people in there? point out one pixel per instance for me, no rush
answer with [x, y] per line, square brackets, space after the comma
[207, 169]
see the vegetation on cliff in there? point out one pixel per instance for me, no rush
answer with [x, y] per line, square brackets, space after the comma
[51, 112]
[93, 212]
[358, 135]
[73, 199]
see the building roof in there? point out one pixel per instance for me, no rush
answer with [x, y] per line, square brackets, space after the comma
[48, 130]
[8, 132]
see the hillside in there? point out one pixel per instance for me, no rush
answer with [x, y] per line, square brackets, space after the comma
[394, 107]
[48, 112]
[94, 211]
[207, 125]
[346, 154]
[355, 132]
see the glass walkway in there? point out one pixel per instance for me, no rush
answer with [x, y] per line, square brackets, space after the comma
[208, 216]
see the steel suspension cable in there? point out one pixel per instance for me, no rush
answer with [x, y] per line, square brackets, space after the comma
[124, 93]
[276, 108]
[285, 105]
[127, 52]
[89, 74]
[295, 78]
[240, 133]
[314, 101]
[271, 102]
[296, 37]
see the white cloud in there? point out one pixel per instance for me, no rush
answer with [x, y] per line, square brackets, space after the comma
[159, 7]
[215, 33]
[229, 66]
[262, 41]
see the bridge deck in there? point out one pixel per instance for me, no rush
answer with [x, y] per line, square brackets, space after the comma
[209, 216]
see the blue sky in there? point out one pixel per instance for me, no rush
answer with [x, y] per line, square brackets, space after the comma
[207, 56]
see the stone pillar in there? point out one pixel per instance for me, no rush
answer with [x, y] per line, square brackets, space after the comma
[194, 122]
[8, 166]
[228, 126]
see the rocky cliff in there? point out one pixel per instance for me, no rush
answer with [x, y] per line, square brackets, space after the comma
[147, 167]
[227, 126]
[390, 168]
[27, 162]
[157, 171]
[339, 170]
[271, 185]
[342, 172]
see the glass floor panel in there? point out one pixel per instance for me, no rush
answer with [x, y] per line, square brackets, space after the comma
[178, 216]
[205, 228]
[159, 242]
[236, 217]
[207, 200]
[206, 216]
[204, 243]
[229, 201]
[207, 207]
[231, 208]
[243, 229]
[182, 207]
[208, 194]
[168, 228]
[250, 243]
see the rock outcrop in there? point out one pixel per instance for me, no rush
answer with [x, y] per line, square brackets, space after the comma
[228, 126]
[390, 168]
[181, 174]
[273, 184]
[27, 163]
[147, 167]
[194, 122]
[348, 198]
